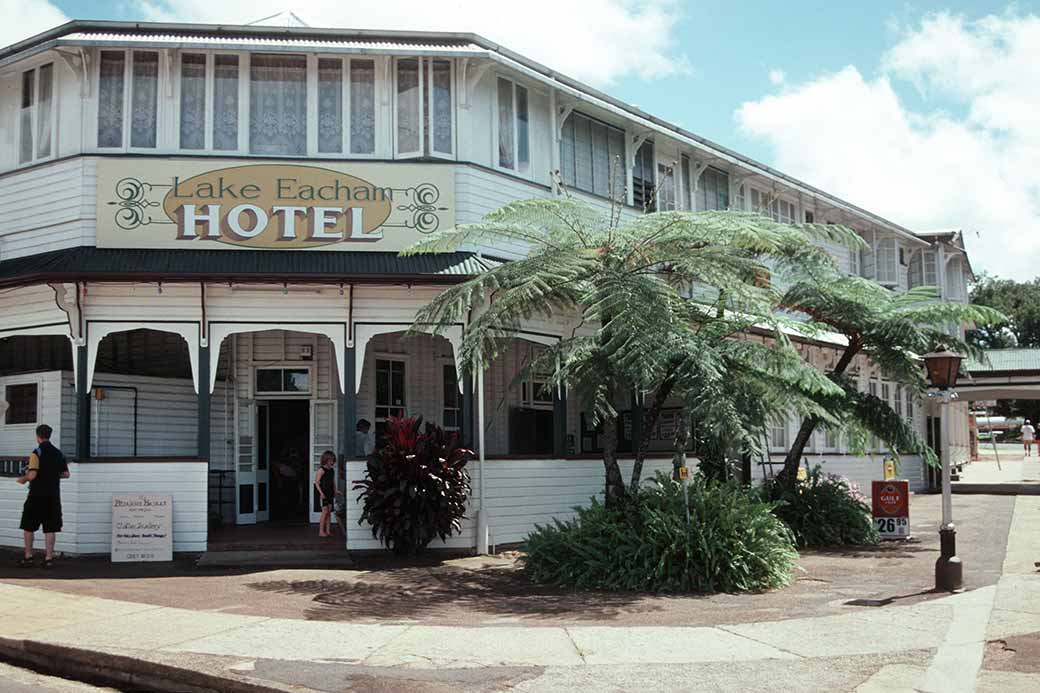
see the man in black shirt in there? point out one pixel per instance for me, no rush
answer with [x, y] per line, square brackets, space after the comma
[47, 467]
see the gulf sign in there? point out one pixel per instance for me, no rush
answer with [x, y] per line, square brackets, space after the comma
[890, 501]
[195, 204]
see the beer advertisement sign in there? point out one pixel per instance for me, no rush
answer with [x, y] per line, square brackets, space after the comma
[212, 204]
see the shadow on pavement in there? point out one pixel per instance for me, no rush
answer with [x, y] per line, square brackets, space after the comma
[412, 593]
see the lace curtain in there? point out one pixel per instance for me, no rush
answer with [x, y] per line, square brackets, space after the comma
[362, 106]
[43, 111]
[144, 107]
[440, 88]
[193, 101]
[25, 149]
[225, 102]
[408, 117]
[110, 99]
[505, 124]
[330, 106]
[278, 105]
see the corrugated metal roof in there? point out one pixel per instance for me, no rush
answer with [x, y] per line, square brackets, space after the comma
[88, 263]
[1005, 360]
[201, 41]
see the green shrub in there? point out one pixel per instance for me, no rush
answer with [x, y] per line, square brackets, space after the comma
[824, 510]
[732, 543]
[416, 486]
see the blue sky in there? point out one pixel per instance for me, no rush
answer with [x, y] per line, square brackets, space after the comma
[922, 112]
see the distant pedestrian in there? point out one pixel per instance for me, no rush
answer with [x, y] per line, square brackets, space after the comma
[46, 468]
[365, 439]
[1028, 436]
[325, 485]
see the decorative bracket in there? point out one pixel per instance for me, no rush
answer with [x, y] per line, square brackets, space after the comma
[77, 62]
[472, 73]
[65, 296]
[563, 112]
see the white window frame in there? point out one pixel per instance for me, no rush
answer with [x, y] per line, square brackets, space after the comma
[207, 111]
[446, 363]
[516, 170]
[890, 255]
[527, 389]
[34, 124]
[399, 358]
[397, 153]
[40, 391]
[785, 427]
[425, 68]
[377, 85]
[161, 79]
[282, 394]
[663, 172]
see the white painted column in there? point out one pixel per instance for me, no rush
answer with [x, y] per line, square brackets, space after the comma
[482, 520]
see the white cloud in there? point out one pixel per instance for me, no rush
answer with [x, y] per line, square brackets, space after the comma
[25, 18]
[777, 77]
[974, 168]
[600, 41]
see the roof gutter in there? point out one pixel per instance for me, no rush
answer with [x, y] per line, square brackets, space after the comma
[195, 277]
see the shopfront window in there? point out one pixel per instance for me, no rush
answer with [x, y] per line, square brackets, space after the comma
[22, 404]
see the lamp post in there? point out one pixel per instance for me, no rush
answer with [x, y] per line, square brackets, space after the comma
[943, 367]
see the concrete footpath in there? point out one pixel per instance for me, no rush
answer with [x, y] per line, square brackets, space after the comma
[955, 643]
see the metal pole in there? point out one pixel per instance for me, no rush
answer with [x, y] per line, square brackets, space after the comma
[949, 572]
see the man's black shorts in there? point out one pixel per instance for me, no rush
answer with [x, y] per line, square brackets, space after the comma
[41, 511]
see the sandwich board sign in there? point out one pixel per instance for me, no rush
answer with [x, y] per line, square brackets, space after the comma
[890, 501]
[142, 528]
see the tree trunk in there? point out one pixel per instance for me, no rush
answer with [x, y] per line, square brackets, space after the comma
[614, 485]
[650, 417]
[794, 456]
[682, 438]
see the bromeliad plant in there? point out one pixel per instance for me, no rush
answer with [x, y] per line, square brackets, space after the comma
[416, 486]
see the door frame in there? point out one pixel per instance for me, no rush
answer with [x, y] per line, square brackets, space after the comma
[317, 447]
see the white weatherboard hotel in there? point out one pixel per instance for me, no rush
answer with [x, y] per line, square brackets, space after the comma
[199, 280]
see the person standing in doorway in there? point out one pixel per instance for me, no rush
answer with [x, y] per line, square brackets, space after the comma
[366, 439]
[325, 485]
[46, 468]
[1028, 436]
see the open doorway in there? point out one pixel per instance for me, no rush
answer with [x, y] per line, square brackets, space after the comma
[283, 433]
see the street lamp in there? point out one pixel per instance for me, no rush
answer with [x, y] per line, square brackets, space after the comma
[942, 367]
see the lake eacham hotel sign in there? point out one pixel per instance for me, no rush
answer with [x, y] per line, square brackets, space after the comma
[192, 205]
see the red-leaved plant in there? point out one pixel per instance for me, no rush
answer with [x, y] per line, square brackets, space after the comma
[416, 486]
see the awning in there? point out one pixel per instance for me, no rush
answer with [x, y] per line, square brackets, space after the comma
[312, 266]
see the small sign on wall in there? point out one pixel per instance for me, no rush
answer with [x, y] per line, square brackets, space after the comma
[142, 528]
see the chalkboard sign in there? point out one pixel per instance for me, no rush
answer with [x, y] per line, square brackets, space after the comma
[142, 528]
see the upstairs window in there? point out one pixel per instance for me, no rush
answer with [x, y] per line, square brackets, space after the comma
[643, 192]
[193, 101]
[887, 261]
[514, 146]
[423, 98]
[346, 106]
[592, 157]
[713, 190]
[923, 271]
[278, 105]
[128, 117]
[36, 118]
[686, 189]
[666, 188]
[225, 102]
